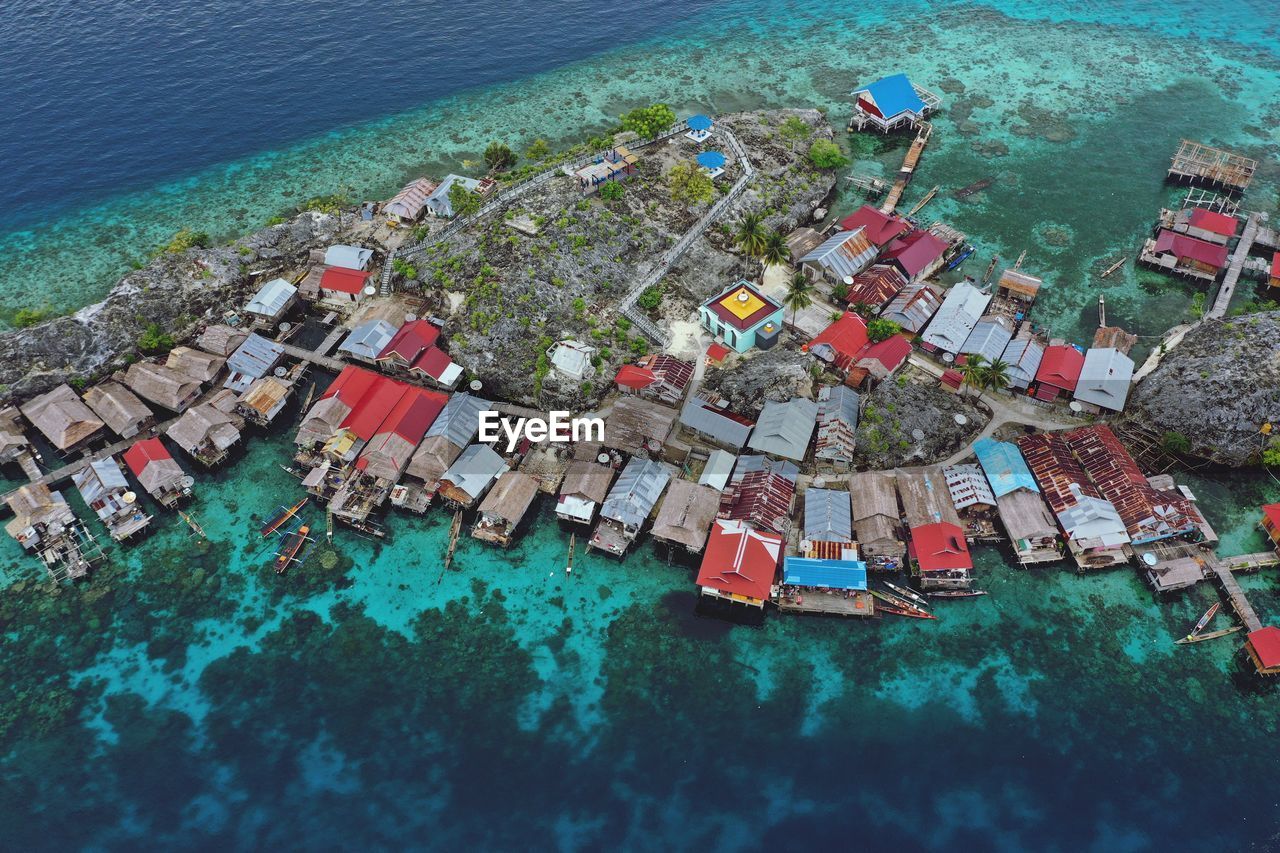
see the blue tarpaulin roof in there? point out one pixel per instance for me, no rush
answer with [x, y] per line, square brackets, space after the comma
[711, 160]
[699, 122]
[1004, 466]
[894, 94]
[832, 574]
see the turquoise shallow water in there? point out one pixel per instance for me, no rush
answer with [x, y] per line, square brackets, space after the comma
[188, 695]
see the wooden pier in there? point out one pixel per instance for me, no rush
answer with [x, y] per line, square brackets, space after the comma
[314, 357]
[907, 172]
[1250, 562]
[1197, 163]
[454, 530]
[1235, 595]
[1228, 287]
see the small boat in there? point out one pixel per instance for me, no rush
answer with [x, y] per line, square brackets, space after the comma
[289, 548]
[1205, 619]
[284, 515]
[902, 611]
[908, 593]
[962, 257]
[568, 569]
[976, 186]
[957, 593]
[900, 606]
[1212, 635]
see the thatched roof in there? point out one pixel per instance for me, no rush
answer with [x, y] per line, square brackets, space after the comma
[636, 425]
[510, 497]
[198, 364]
[119, 408]
[432, 459]
[686, 514]
[589, 480]
[202, 426]
[63, 417]
[874, 503]
[34, 503]
[221, 340]
[161, 385]
[925, 496]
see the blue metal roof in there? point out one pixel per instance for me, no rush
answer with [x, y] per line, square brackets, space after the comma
[831, 574]
[711, 160]
[1004, 466]
[699, 122]
[894, 94]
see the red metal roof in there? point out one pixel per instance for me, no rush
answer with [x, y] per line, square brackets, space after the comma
[915, 251]
[1275, 265]
[408, 419]
[891, 352]
[1266, 645]
[343, 280]
[352, 384]
[1181, 246]
[634, 377]
[762, 498]
[1272, 512]
[144, 452]
[370, 396]
[940, 547]
[879, 227]
[433, 362]
[739, 560]
[952, 378]
[409, 341]
[717, 352]
[877, 285]
[1211, 220]
[847, 337]
[1060, 367]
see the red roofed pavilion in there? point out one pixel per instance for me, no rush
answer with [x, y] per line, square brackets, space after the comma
[1059, 371]
[940, 549]
[1263, 647]
[1213, 222]
[739, 563]
[879, 227]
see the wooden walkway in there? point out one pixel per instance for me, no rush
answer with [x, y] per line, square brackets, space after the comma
[1249, 562]
[1235, 595]
[314, 357]
[1238, 257]
[331, 340]
[907, 172]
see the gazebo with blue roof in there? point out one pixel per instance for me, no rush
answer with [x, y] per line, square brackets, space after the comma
[891, 102]
[699, 127]
[712, 162]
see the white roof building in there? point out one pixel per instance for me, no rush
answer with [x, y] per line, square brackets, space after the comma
[959, 313]
[272, 299]
[350, 257]
[1105, 378]
[572, 358]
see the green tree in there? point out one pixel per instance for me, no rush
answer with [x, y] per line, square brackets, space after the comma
[612, 191]
[404, 269]
[651, 298]
[1271, 457]
[689, 184]
[648, 122]
[537, 150]
[881, 329]
[155, 339]
[25, 318]
[463, 201]
[331, 203]
[794, 130]
[750, 234]
[186, 239]
[799, 294]
[1175, 442]
[775, 251]
[995, 377]
[499, 156]
[974, 370]
[825, 154]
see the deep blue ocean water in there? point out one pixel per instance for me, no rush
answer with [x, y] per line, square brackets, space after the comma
[188, 697]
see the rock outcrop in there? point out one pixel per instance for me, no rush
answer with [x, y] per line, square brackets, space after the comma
[1217, 388]
[892, 414]
[176, 291]
[777, 375]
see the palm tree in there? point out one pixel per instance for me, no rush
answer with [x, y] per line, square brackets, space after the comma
[799, 294]
[996, 376]
[750, 235]
[974, 370]
[775, 252]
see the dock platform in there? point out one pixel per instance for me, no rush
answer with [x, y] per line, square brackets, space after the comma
[832, 603]
[908, 170]
[1235, 595]
[1197, 163]
[1236, 265]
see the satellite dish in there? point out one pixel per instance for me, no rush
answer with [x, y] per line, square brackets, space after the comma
[1075, 406]
[409, 318]
[820, 482]
[961, 420]
[187, 482]
[848, 280]
[804, 545]
[280, 371]
[129, 497]
[284, 327]
[948, 357]
[476, 385]
[370, 290]
[1150, 559]
[917, 434]
[603, 458]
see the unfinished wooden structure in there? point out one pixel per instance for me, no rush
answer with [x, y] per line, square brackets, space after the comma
[1197, 163]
